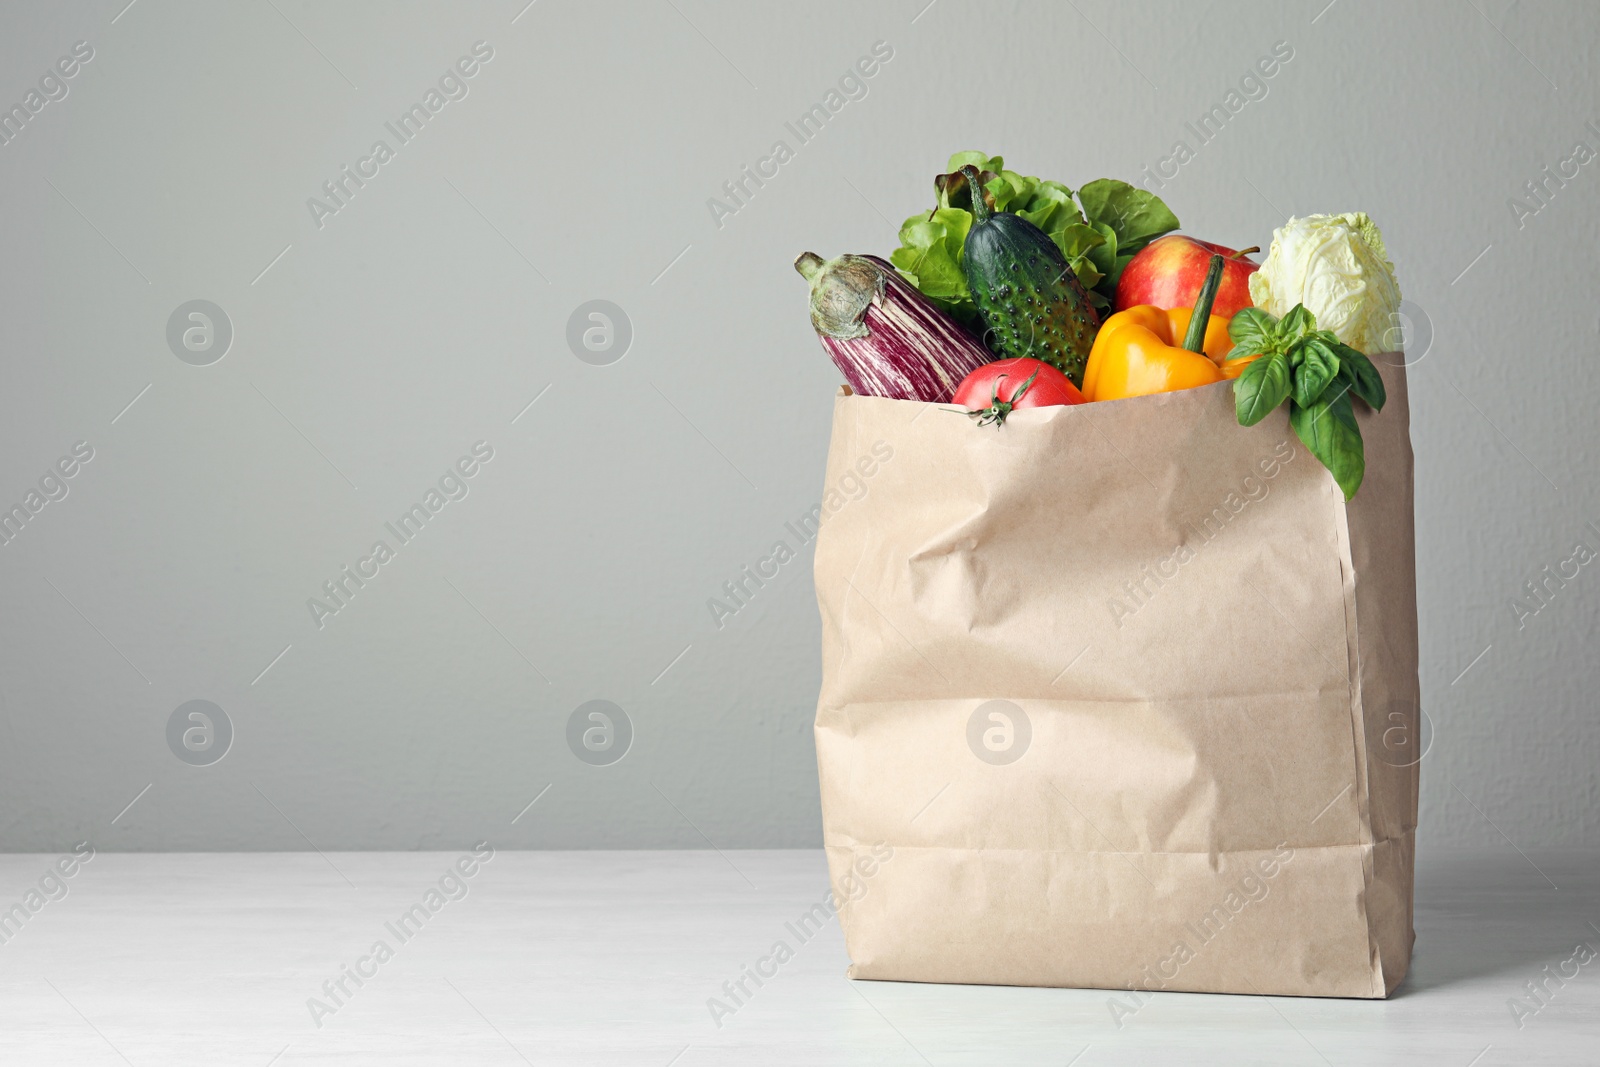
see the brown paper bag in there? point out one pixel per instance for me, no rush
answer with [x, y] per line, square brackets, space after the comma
[1121, 695]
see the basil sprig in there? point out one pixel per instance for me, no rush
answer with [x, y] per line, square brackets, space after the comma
[1317, 374]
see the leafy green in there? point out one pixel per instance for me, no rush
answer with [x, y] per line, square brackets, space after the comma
[1298, 362]
[929, 257]
[1328, 429]
[1251, 329]
[1137, 215]
[1319, 365]
[1363, 378]
[1297, 323]
[1098, 238]
[1103, 254]
[1263, 386]
[1081, 244]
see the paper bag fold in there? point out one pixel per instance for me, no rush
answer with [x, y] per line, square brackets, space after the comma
[1121, 695]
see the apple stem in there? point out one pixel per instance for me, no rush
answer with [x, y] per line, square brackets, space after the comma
[1246, 252]
[1195, 339]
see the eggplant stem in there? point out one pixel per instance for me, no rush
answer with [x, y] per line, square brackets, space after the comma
[808, 263]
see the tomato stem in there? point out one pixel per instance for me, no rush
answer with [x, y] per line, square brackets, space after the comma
[998, 409]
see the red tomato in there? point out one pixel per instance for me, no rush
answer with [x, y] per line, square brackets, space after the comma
[990, 392]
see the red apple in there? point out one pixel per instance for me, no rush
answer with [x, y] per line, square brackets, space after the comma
[1169, 271]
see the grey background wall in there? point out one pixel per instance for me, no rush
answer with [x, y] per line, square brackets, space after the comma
[373, 347]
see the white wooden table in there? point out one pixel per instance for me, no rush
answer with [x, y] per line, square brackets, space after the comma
[612, 957]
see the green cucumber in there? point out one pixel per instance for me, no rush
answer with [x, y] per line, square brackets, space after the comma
[1026, 294]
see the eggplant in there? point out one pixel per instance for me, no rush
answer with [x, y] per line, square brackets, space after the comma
[886, 338]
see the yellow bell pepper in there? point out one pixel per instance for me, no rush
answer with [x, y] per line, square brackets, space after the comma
[1140, 351]
[1232, 368]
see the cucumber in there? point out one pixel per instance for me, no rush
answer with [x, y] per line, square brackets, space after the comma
[1026, 294]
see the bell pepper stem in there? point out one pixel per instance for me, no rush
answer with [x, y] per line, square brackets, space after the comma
[980, 206]
[1195, 339]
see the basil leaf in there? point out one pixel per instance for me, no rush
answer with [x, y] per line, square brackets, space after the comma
[1328, 430]
[1364, 379]
[1261, 388]
[1250, 328]
[1296, 324]
[1319, 366]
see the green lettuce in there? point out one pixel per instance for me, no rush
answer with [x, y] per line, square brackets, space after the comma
[1098, 233]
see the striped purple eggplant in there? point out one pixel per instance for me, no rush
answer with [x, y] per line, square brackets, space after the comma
[886, 338]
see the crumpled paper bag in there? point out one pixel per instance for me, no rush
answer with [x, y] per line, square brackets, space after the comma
[1121, 695]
